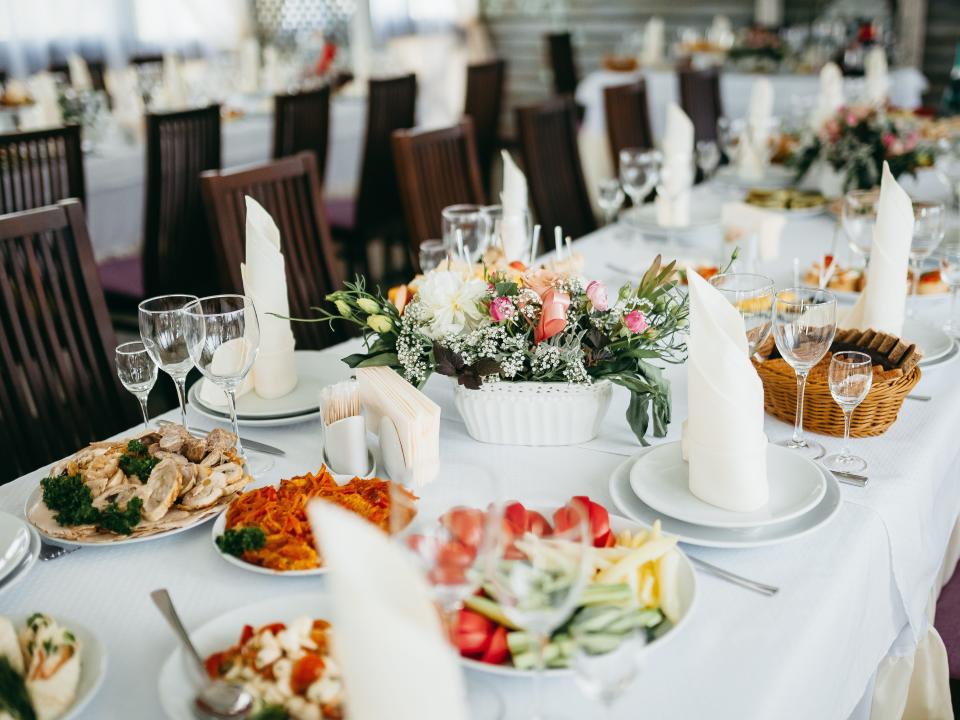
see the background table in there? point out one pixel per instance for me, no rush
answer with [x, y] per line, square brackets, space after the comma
[851, 594]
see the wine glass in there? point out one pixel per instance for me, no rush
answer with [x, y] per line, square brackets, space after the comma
[510, 233]
[603, 672]
[463, 230]
[752, 295]
[851, 375]
[162, 332]
[804, 323]
[639, 170]
[858, 217]
[431, 254]
[609, 198]
[950, 272]
[928, 231]
[948, 167]
[223, 336]
[708, 157]
[137, 372]
[538, 581]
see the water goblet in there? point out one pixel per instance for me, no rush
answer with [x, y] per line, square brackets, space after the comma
[708, 157]
[804, 323]
[752, 295]
[851, 375]
[162, 331]
[639, 170]
[431, 253]
[858, 217]
[928, 230]
[463, 230]
[950, 272]
[609, 198]
[137, 371]
[603, 672]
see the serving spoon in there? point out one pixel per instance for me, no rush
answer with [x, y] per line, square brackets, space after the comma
[217, 700]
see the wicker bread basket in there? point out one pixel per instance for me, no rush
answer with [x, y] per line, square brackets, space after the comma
[895, 373]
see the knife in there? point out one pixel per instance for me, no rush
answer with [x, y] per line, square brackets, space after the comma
[252, 444]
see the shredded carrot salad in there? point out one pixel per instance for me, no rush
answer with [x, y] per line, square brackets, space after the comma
[281, 514]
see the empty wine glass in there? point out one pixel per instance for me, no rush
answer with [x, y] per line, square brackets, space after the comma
[639, 171]
[609, 198]
[431, 254]
[605, 672]
[752, 295]
[804, 323]
[851, 375]
[162, 332]
[928, 231]
[137, 372]
[950, 272]
[464, 230]
[708, 157]
[858, 217]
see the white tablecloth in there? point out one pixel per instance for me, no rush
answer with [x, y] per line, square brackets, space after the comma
[851, 594]
[115, 174]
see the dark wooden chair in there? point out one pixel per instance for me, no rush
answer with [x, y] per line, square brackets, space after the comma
[483, 104]
[290, 190]
[435, 168]
[146, 59]
[40, 167]
[628, 118]
[59, 390]
[547, 133]
[178, 253]
[562, 63]
[97, 70]
[377, 210]
[700, 99]
[301, 121]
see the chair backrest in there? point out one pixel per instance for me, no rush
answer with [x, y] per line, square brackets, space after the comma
[59, 389]
[40, 167]
[146, 59]
[391, 105]
[548, 141]
[562, 62]
[301, 121]
[178, 252]
[700, 99]
[97, 69]
[628, 118]
[435, 168]
[289, 189]
[482, 106]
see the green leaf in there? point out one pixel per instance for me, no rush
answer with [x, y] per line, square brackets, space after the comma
[381, 360]
[638, 416]
[505, 288]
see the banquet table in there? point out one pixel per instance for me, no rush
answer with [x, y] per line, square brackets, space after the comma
[853, 595]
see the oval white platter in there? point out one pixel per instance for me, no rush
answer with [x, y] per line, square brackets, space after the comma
[220, 525]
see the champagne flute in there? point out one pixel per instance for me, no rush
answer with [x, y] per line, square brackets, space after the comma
[609, 198]
[858, 217]
[927, 233]
[162, 332]
[752, 295]
[948, 167]
[851, 375]
[804, 323]
[137, 372]
[639, 170]
[950, 272]
[603, 672]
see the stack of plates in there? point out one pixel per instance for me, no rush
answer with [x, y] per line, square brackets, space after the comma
[654, 485]
[19, 550]
[315, 370]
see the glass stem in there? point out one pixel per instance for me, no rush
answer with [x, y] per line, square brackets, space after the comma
[845, 448]
[232, 400]
[542, 641]
[914, 286]
[798, 424]
[954, 292]
[143, 409]
[181, 384]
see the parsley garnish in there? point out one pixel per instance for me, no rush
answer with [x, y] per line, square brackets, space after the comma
[271, 712]
[72, 504]
[237, 541]
[137, 461]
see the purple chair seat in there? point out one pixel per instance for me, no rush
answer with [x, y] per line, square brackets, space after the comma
[947, 622]
[341, 213]
[122, 276]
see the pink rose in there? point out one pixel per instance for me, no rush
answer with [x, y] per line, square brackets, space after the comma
[502, 308]
[539, 280]
[597, 292]
[553, 316]
[636, 322]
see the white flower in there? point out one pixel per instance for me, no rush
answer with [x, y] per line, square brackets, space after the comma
[450, 303]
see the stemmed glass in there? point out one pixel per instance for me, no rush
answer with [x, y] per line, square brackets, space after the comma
[804, 323]
[858, 217]
[604, 673]
[950, 272]
[708, 158]
[639, 171]
[431, 253]
[948, 167]
[928, 231]
[464, 227]
[137, 372]
[752, 295]
[851, 375]
[609, 198]
[162, 332]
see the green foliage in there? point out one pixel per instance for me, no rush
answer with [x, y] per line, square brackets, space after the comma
[237, 541]
[136, 461]
[71, 501]
[14, 700]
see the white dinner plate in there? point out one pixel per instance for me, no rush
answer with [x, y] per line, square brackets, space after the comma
[686, 578]
[14, 543]
[93, 664]
[266, 423]
[931, 340]
[631, 506]
[26, 564]
[850, 297]
[218, 528]
[661, 479]
[954, 351]
[175, 682]
[776, 178]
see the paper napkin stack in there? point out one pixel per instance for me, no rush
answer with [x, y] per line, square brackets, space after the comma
[413, 455]
[513, 198]
[724, 440]
[673, 193]
[875, 72]
[740, 221]
[830, 99]
[753, 152]
[394, 659]
[881, 304]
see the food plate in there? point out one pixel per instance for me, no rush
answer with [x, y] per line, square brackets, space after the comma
[660, 478]
[221, 524]
[14, 543]
[776, 177]
[931, 340]
[175, 682]
[687, 581]
[631, 506]
[26, 564]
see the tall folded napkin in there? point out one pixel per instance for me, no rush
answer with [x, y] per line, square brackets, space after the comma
[653, 43]
[721, 31]
[173, 90]
[227, 359]
[274, 77]
[753, 152]
[881, 304]
[248, 80]
[673, 194]
[725, 443]
[45, 111]
[830, 98]
[739, 219]
[79, 73]
[513, 199]
[127, 102]
[877, 83]
[387, 636]
[265, 281]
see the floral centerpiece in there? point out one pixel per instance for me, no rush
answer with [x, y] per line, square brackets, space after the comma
[856, 141]
[486, 325]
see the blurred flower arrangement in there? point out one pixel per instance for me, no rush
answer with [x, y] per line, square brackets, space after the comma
[497, 322]
[856, 142]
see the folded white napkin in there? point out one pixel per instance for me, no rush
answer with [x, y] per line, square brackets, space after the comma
[673, 195]
[248, 72]
[79, 73]
[45, 111]
[173, 92]
[740, 219]
[274, 75]
[877, 83]
[881, 304]
[725, 443]
[830, 98]
[227, 359]
[513, 198]
[387, 638]
[753, 151]
[653, 43]
[127, 102]
[721, 31]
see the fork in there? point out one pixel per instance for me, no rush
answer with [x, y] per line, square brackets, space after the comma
[49, 551]
[757, 587]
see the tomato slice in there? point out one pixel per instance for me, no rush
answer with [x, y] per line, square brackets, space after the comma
[516, 516]
[273, 627]
[497, 652]
[306, 671]
[212, 665]
[246, 634]
[465, 524]
[473, 633]
[537, 524]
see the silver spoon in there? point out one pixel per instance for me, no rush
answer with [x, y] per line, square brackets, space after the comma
[217, 700]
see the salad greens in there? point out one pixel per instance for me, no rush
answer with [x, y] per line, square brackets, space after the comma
[71, 501]
[236, 541]
[137, 461]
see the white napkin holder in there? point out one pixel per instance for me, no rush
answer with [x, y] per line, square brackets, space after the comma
[345, 449]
